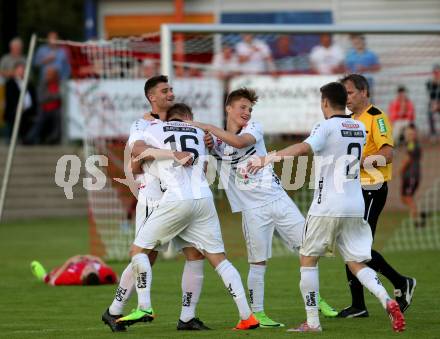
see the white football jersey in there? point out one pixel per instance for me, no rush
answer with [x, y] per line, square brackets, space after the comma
[149, 186]
[337, 145]
[243, 189]
[178, 182]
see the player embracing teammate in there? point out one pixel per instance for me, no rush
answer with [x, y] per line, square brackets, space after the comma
[335, 218]
[262, 201]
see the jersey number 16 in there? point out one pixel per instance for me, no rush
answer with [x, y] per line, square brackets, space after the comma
[184, 148]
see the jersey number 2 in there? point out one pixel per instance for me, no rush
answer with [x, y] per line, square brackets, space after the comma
[357, 148]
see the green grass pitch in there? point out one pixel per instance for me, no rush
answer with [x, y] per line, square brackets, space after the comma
[30, 309]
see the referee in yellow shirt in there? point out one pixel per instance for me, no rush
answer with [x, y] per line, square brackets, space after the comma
[375, 173]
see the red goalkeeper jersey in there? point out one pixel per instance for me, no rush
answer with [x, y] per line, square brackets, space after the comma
[72, 274]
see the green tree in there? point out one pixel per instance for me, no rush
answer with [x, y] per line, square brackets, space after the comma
[41, 16]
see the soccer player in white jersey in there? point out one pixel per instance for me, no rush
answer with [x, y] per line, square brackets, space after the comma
[261, 199]
[186, 214]
[335, 218]
[161, 97]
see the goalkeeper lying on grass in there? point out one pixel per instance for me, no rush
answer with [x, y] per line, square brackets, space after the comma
[78, 270]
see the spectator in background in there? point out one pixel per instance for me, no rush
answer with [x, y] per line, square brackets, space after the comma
[401, 112]
[187, 71]
[433, 87]
[148, 68]
[327, 58]
[54, 56]
[47, 128]
[284, 54]
[359, 59]
[78, 270]
[410, 174]
[254, 55]
[15, 56]
[12, 93]
[225, 64]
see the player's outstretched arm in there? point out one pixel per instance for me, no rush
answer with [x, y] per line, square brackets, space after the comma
[139, 147]
[151, 153]
[54, 276]
[295, 150]
[257, 163]
[237, 141]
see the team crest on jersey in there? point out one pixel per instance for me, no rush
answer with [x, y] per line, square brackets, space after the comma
[219, 142]
[242, 175]
[349, 124]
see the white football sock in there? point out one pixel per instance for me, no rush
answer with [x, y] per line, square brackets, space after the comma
[231, 279]
[143, 276]
[192, 282]
[309, 286]
[370, 280]
[255, 284]
[123, 292]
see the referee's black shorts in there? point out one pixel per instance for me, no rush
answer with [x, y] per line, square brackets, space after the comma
[375, 200]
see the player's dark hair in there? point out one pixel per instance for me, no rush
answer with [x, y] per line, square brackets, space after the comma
[240, 93]
[359, 82]
[180, 110]
[109, 279]
[336, 94]
[401, 89]
[153, 82]
[91, 279]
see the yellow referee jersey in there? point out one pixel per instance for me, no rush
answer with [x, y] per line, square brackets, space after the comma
[379, 133]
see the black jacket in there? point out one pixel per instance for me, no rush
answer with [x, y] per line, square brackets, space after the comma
[12, 94]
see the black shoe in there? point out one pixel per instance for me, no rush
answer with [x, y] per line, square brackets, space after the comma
[405, 294]
[110, 320]
[353, 312]
[195, 324]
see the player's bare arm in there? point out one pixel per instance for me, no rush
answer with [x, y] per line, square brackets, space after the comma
[136, 166]
[385, 151]
[237, 141]
[139, 146]
[257, 163]
[61, 269]
[209, 141]
[94, 258]
[152, 153]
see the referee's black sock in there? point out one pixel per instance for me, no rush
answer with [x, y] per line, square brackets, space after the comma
[379, 264]
[356, 289]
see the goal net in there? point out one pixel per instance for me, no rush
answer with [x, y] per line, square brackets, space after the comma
[106, 96]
